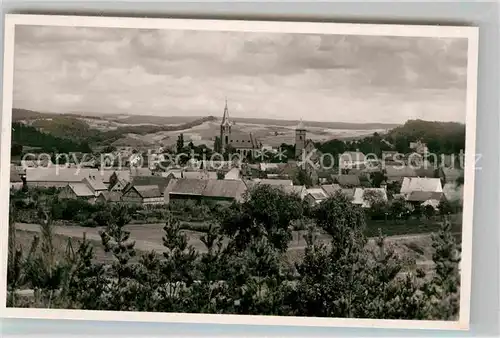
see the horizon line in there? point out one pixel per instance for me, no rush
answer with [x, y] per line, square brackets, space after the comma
[103, 115]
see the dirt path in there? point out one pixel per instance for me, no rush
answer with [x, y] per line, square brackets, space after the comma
[90, 233]
[148, 237]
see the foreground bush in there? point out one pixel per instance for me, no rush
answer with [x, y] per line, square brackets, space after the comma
[244, 269]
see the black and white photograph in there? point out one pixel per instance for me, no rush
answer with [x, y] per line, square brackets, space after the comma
[272, 173]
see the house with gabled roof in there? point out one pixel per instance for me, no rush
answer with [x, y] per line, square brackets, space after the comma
[315, 196]
[411, 184]
[450, 175]
[16, 180]
[158, 181]
[196, 189]
[392, 156]
[109, 197]
[271, 182]
[396, 173]
[346, 181]
[143, 194]
[351, 159]
[298, 190]
[331, 189]
[95, 184]
[57, 177]
[78, 190]
[417, 190]
[364, 197]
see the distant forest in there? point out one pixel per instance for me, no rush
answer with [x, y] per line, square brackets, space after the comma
[23, 135]
[441, 138]
[67, 133]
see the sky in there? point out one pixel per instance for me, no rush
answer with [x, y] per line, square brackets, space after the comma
[333, 78]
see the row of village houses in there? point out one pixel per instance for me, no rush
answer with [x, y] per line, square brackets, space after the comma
[142, 186]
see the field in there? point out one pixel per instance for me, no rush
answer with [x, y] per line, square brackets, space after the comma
[143, 131]
[148, 237]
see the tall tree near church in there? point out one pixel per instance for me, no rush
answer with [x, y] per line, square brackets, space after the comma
[218, 145]
[180, 143]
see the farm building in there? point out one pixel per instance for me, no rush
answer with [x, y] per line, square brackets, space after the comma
[56, 176]
[158, 181]
[396, 173]
[200, 175]
[277, 183]
[225, 190]
[233, 174]
[77, 191]
[16, 181]
[299, 190]
[392, 156]
[346, 181]
[364, 197]
[118, 175]
[331, 189]
[420, 197]
[109, 196]
[450, 175]
[424, 184]
[315, 196]
[95, 184]
[195, 189]
[351, 159]
[118, 186]
[143, 194]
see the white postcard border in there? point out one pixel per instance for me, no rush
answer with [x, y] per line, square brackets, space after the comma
[470, 33]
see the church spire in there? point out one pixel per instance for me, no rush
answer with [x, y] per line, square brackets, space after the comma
[225, 117]
[300, 126]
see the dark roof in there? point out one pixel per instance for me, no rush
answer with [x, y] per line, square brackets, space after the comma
[225, 188]
[451, 174]
[330, 189]
[346, 180]
[243, 141]
[160, 181]
[349, 193]
[426, 172]
[400, 171]
[187, 186]
[111, 196]
[14, 175]
[147, 191]
[422, 196]
[209, 188]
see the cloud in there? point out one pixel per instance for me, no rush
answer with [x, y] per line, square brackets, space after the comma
[318, 77]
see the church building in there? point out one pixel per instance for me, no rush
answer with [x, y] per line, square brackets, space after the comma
[302, 144]
[241, 142]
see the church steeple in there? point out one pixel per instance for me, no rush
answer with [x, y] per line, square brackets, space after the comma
[300, 139]
[225, 117]
[225, 128]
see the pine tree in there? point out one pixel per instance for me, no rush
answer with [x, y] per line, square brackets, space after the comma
[45, 270]
[177, 268]
[15, 262]
[210, 294]
[116, 240]
[87, 281]
[180, 143]
[444, 289]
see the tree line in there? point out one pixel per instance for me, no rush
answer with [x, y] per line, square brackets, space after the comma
[244, 268]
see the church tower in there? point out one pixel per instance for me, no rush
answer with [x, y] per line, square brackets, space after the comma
[225, 129]
[300, 139]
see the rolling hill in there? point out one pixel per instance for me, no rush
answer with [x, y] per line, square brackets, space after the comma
[441, 137]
